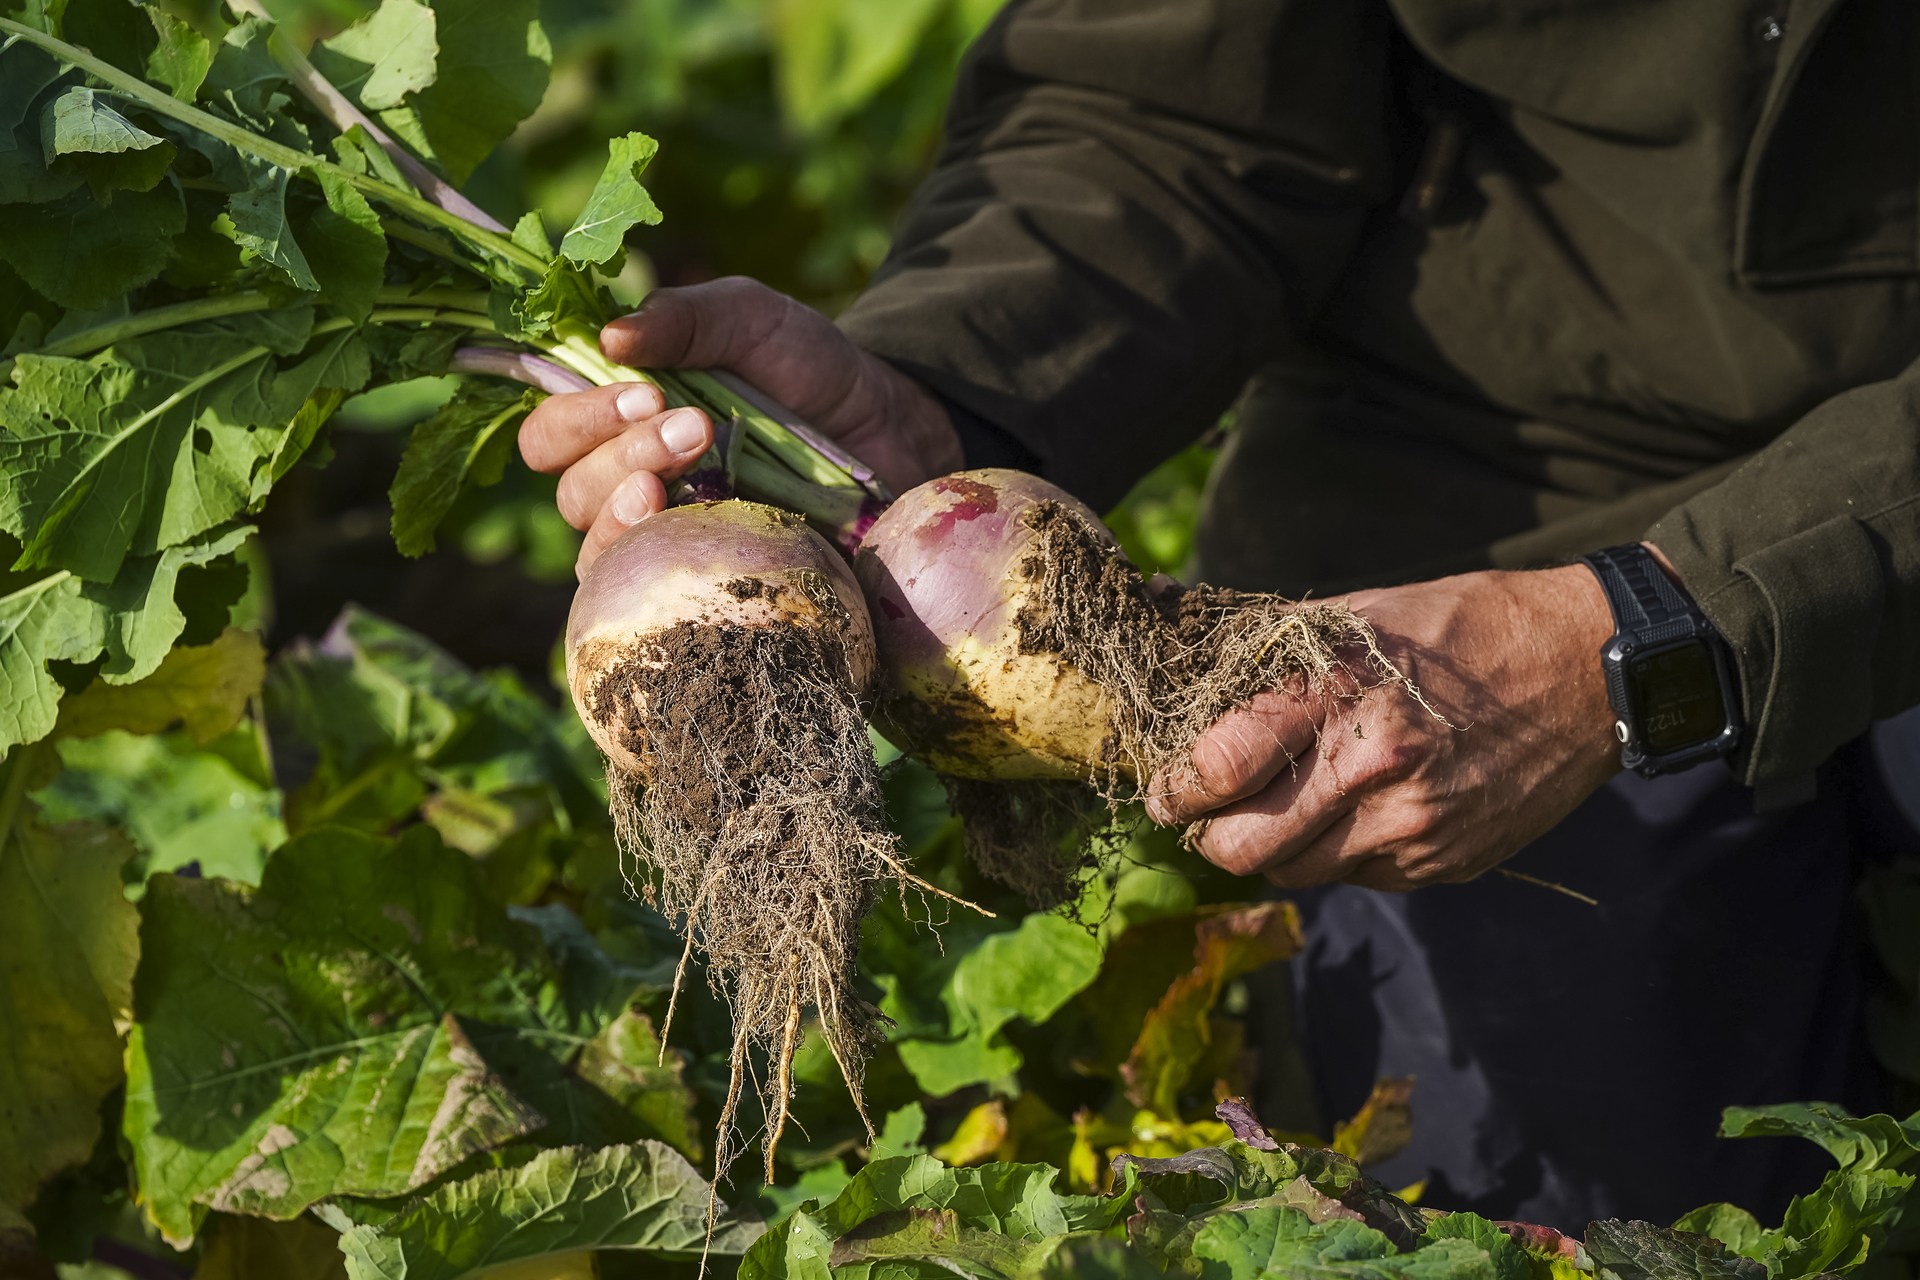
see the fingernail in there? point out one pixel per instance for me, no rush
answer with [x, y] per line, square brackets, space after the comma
[638, 403]
[683, 432]
[629, 504]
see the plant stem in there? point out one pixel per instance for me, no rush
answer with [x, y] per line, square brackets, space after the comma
[244, 139]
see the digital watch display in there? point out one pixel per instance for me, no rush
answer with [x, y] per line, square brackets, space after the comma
[1669, 673]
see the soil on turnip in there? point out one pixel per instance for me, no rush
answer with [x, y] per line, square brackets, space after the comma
[1174, 659]
[757, 815]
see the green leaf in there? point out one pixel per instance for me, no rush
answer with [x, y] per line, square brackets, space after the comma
[832, 56]
[180, 803]
[890, 1200]
[643, 1196]
[258, 222]
[1274, 1243]
[1509, 1260]
[617, 204]
[1839, 1223]
[468, 441]
[328, 1033]
[144, 446]
[181, 57]
[383, 57]
[1642, 1251]
[1027, 974]
[68, 944]
[143, 605]
[203, 687]
[624, 1062]
[1858, 1142]
[900, 1133]
[489, 75]
[84, 254]
[345, 247]
[81, 133]
[47, 619]
[1098, 1258]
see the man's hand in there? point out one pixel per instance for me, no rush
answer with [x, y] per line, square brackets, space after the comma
[616, 448]
[1369, 787]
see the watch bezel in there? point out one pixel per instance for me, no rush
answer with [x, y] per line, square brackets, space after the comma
[1622, 649]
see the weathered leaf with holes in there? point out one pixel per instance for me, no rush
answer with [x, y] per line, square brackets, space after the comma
[335, 1031]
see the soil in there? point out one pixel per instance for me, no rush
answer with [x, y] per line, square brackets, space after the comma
[1174, 659]
[758, 822]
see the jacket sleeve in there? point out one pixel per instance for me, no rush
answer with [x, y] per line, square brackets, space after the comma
[1137, 203]
[1808, 559]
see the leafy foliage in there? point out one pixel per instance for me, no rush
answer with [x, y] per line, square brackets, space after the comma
[320, 966]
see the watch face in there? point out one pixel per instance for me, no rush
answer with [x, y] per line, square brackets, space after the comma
[1677, 695]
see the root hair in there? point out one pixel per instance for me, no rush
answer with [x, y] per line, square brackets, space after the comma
[756, 824]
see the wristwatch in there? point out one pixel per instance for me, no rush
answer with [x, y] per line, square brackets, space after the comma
[1669, 673]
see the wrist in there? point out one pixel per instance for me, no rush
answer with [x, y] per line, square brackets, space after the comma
[1571, 612]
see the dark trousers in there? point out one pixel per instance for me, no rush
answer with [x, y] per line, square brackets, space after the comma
[1571, 1062]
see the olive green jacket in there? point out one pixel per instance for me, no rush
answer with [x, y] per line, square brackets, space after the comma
[1494, 281]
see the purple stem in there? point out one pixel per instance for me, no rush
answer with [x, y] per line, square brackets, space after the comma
[340, 109]
[820, 444]
[535, 371]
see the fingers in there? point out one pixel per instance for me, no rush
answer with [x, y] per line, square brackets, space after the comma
[640, 495]
[1243, 751]
[1264, 831]
[716, 324]
[666, 446]
[563, 429]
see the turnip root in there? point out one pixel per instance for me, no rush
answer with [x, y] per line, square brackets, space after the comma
[1015, 642]
[718, 653]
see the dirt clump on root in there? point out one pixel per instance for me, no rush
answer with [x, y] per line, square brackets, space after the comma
[757, 821]
[1041, 838]
[1172, 660]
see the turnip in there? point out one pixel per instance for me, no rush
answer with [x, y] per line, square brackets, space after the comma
[718, 653]
[1016, 643]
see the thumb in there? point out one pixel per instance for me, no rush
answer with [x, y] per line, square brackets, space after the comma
[702, 326]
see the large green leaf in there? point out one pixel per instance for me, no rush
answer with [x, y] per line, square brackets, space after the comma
[1278, 1243]
[182, 804]
[335, 1031]
[1839, 1223]
[82, 253]
[1028, 973]
[618, 203]
[68, 944]
[1642, 1251]
[468, 441]
[643, 1196]
[489, 75]
[150, 443]
[383, 57]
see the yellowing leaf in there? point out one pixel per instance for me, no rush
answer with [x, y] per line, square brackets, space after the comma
[1228, 943]
[204, 688]
[69, 940]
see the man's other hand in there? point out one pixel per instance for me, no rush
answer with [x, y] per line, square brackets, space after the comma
[1367, 786]
[616, 448]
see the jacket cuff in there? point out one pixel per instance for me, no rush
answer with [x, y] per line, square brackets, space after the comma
[1802, 615]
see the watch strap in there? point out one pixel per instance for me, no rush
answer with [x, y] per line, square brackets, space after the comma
[1644, 600]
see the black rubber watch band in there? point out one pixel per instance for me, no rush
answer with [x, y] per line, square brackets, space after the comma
[1644, 600]
[1655, 623]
